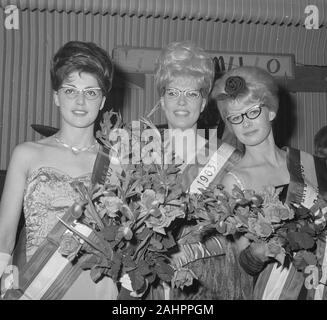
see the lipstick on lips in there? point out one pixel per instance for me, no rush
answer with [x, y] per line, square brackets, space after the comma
[250, 133]
[181, 113]
[79, 112]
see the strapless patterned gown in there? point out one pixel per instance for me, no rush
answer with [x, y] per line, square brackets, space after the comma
[48, 193]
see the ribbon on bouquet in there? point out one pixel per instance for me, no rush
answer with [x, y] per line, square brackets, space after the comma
[194, 251]
[307, 188]
[48, 275]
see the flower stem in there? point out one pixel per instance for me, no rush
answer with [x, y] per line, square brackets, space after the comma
[94, 213]
[141, 245]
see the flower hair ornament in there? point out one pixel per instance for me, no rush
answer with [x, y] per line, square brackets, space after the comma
[233, 87]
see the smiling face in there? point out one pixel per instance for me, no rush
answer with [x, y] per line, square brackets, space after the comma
[80, 110]
[250, 132]
[182, 112]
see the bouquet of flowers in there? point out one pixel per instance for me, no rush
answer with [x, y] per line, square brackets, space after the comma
[288, 232]
[133, 221]
[141, 221]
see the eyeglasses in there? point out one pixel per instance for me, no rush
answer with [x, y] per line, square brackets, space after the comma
[252, 113]
[174, 93]
[89, 93]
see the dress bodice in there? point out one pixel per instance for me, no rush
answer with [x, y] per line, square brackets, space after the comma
[281, 189]
[48, 193]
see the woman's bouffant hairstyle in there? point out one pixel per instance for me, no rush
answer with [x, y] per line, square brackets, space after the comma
[184, 59]
[82, 57]
[246, 85]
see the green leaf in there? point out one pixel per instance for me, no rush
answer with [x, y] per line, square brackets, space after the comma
[128, 262]
[202, 213]
[251, 236]
[174, 193]
[143, 268]
[96, 273]
[151, 277]
[164, 270]
[308, 229]
[299, 240]
[126, 211]
[142, 235]
[191, 237]
[109, 232]
[310, 258]
[304, 258]
[115, 268]
[168, 241]
[156, 243]
[137, 280]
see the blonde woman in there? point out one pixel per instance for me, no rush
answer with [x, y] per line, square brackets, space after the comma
[184, 76]
[247, 98]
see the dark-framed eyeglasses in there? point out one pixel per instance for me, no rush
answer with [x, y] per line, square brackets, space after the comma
[89, 93]
[251, 114]
[174, 93]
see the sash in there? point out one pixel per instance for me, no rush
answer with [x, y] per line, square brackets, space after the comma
[278, 283]
[308, 185]
[317, 290]
[222, 158]
[48, 275]
[308, 178]
[309, 188]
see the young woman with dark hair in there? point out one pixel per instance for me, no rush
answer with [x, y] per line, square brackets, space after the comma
[40, 173]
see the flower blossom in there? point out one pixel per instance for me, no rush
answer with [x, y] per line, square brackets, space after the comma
[183, 277]
[162, 217]
[112, 205]
[260, 226]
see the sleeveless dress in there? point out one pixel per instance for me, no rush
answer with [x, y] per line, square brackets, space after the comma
[48, 193]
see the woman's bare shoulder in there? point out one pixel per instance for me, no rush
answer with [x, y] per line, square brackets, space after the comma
[29, 147]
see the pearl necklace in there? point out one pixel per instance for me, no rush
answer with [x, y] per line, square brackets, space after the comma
[74, 149]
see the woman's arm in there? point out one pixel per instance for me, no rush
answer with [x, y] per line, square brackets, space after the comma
[12, 197]
[254, 257]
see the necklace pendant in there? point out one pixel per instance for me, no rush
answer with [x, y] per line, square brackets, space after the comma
[75, 150]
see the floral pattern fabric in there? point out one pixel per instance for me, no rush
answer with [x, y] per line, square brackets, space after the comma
[47, 195]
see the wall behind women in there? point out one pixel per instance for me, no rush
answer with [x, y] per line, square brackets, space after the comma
[25, 91]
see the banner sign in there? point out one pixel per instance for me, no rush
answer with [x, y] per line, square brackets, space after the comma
[142, 60]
